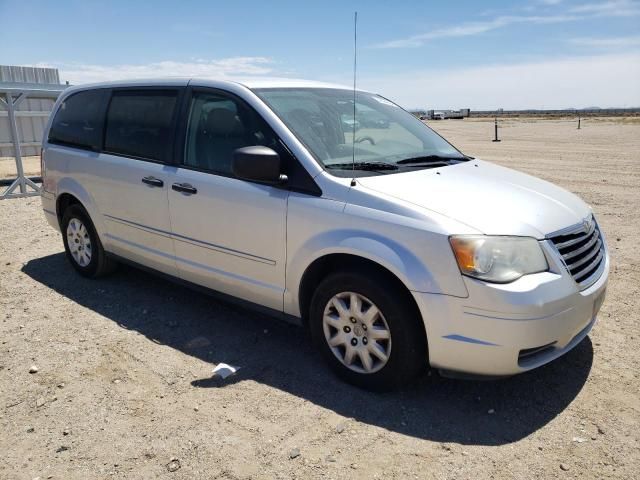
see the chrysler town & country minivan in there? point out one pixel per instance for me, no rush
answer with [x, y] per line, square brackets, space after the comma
[397, 251]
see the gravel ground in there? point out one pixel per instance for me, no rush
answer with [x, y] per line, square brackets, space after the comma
[31, 166]
[123, 387]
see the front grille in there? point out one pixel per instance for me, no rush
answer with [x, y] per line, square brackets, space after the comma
[582, 250]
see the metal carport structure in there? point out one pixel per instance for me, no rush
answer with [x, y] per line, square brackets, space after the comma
[11, 95]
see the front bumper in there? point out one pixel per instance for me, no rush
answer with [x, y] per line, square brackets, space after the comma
[510, 328]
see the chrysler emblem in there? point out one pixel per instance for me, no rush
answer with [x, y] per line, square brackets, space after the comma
[586, 225]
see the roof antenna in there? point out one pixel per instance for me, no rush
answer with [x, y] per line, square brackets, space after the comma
[355, 64]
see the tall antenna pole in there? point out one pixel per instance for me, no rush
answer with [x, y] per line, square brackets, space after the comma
[355, 64]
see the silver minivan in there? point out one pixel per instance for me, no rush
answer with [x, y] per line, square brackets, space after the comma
[336, 210]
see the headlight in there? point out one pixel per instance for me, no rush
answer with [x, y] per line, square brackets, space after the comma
[498, 259]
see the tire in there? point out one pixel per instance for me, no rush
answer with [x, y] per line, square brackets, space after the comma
[82, 244]
[405, 350]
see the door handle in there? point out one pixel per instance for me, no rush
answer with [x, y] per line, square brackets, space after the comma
[153, 181]
[184, 188]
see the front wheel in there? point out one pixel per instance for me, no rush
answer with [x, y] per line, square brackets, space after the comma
[368, 330]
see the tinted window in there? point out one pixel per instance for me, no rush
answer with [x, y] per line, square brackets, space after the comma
[79, 120]
[139, 123]
[218, 125]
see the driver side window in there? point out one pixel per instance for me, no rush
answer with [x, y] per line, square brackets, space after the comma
[218, 125]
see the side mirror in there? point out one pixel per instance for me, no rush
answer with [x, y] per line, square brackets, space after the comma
[257, 163]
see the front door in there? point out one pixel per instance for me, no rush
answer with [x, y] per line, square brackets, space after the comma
[229, 234]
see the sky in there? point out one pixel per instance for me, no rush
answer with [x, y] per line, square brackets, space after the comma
[422, 54]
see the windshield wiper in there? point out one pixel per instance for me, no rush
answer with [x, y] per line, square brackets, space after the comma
[373, 166]
[442, 159]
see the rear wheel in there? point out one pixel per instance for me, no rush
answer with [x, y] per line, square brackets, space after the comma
[82, 244]
[367, 330]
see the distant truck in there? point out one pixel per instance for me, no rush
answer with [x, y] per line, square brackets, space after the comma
[444, 114]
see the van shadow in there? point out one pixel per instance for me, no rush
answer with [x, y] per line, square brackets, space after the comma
[433, 408]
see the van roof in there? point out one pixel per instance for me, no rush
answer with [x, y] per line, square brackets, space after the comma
[251, 83]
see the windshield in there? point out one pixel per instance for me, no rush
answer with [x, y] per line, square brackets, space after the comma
[387, 138]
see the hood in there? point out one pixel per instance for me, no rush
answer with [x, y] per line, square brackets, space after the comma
[491, 199]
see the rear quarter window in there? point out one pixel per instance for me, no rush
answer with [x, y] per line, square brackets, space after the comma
[140, 123]
[79, 120]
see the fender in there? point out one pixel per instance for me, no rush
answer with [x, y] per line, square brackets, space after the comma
[73, 187]
[396, 258]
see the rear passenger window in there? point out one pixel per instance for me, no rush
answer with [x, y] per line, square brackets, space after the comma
[79, 120]
[139, 123]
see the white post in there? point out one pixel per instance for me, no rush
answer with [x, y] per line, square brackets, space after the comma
[11, 105]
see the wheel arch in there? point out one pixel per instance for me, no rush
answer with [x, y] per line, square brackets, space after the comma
[71, 192]
[381, 251]
[339, 262]
[64, 201]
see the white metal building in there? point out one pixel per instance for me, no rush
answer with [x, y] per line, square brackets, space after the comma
[31, 113]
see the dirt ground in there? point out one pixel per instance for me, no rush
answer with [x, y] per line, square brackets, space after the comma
[31, 166]
[124, 388]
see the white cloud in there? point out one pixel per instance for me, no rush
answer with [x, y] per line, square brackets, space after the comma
[221, 68]
[612, 8]
[474, 28]
[604, 80]
[611, 42]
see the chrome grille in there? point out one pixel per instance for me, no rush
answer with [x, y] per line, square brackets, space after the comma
[582, 250]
